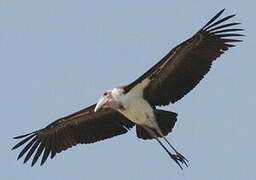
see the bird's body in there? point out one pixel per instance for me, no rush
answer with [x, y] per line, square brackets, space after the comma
[135, 107]
[135, 104]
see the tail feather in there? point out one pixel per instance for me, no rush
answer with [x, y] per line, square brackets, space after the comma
[166, 121]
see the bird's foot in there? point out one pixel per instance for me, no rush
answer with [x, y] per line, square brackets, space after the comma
[179, 159]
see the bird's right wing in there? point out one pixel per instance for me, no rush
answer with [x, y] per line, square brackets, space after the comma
[84, 126]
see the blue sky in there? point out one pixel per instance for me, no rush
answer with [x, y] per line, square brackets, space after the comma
[57, 57]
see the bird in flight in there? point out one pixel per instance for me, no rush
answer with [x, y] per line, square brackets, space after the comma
[121, 108]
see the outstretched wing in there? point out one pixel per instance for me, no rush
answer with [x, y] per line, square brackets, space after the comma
[84, 126]
[185, 65]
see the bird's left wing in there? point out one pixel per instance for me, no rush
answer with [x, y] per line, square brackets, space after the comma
[184, 66]
[84, 126]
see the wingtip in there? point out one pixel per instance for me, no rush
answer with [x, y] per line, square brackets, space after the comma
[33, 163]
[221, 11]
[30, 135]
[212, 19]
[19, 156]
[42, 162]
[22, 136]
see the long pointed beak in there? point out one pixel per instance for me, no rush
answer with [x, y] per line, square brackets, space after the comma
[100, 104]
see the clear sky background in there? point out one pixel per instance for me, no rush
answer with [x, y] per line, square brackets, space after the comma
[58, 56]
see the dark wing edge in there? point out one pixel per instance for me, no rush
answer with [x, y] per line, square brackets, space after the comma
[185, 65]
[85, 126]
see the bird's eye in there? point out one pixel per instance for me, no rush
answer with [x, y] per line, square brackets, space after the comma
[105, 93]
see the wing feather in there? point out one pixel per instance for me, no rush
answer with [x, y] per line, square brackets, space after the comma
[184, 66]
[85, 126]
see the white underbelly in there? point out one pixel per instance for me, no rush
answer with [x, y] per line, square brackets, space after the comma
[137, 110]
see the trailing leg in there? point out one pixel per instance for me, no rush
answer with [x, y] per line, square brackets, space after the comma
[177, 157]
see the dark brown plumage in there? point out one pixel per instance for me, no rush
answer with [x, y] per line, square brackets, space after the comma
[85, 126]
[185, 65]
